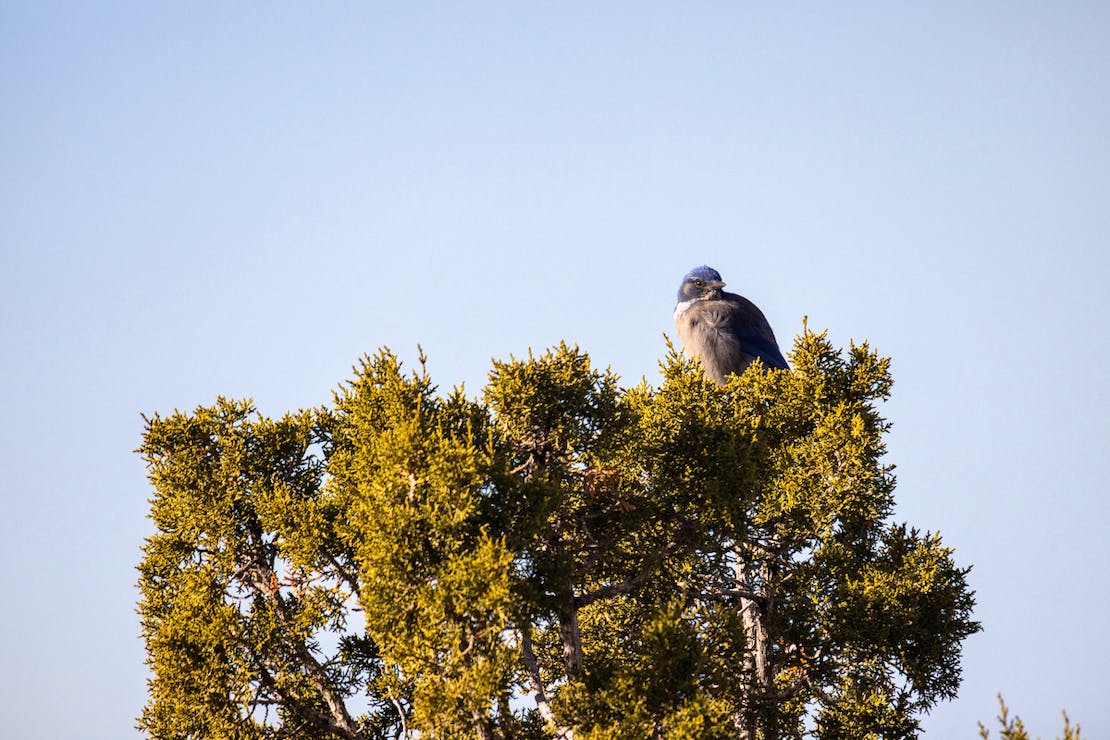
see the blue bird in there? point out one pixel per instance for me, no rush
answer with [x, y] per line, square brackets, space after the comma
[724, 331]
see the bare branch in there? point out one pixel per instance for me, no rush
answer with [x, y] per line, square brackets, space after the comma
[727, 594]
[635, 582]
[536, 682]
[345, 575]
[339, 722]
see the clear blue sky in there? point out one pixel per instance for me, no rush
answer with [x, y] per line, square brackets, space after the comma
[241, 198]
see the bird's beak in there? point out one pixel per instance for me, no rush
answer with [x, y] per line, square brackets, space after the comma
[716, 284]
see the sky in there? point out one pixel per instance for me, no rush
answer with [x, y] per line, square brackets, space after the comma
[240, 199]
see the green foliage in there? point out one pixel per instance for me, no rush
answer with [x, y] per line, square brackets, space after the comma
[435, 581]
[1012, 728]
[236, 583]
[557, 556]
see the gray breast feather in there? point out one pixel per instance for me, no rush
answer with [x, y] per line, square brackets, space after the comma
[726, 335]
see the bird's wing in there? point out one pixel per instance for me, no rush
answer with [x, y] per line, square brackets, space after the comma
[743, 320]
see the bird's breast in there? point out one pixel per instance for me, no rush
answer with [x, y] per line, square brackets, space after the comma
[684, 324]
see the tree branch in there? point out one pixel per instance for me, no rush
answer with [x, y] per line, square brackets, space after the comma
[317, 719]
[346, 576]
[725, 594]
[614, 589]
[339, 722]
[536, 682]
[633, 583]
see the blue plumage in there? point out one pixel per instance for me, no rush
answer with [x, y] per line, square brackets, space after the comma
[724, 331]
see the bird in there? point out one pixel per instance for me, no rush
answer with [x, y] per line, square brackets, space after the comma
[725, 332]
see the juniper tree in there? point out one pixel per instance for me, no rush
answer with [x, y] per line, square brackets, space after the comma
[558, 557]
[1012, 728]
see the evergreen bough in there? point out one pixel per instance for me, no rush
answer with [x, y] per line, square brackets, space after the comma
[559, 557]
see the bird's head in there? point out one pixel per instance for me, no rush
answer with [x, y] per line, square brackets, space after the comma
[701, 282]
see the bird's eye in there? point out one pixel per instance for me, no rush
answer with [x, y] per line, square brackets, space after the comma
[698, 283]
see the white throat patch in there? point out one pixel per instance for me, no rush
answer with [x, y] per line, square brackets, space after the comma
[683, 305]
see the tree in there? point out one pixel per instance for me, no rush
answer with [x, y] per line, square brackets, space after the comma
[561, 557]
[1012, 728]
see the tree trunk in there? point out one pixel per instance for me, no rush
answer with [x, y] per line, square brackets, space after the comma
[757, 652]
[542, 702]
[572, 639]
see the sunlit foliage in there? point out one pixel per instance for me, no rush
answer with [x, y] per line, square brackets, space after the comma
[559, 557]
